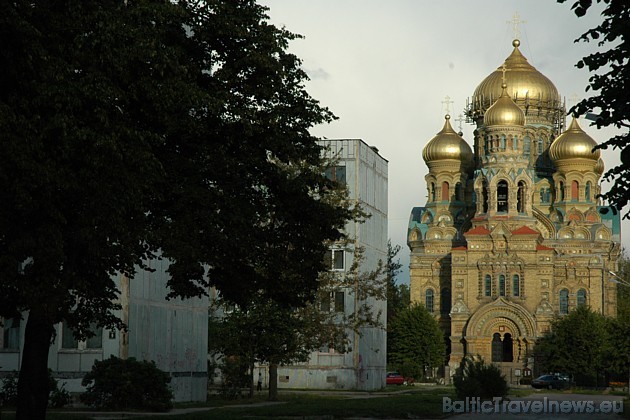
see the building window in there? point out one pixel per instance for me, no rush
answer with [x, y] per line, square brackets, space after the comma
[336, 173]
[68, 341]
[561, 191]
[545, 195]
[501, 285]
[575, 187]
[502, 144]
[502, 196]
[335, 259]
[487, 285]
[428, 300]
[527, 146]
[340, 303]
[564, 301]
[587, 192]
[516, 285]
[581, 297]
[444, 191]
[520, 203]
[540, 146]
[508, 354]
[497, 348]
[432, 192]
[11, 333]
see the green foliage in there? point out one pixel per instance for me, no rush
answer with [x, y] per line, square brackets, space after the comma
[474, 378]
[58, 397]
[417, 342]
[121, 384]
[609, 78]
[578, 344]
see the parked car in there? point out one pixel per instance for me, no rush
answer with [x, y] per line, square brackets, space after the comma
[550, 382]
[395, 378]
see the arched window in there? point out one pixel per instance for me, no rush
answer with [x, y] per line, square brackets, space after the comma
[501, 285]
[502, 196]
[502, 144]
[547, 195]
[486, 146]
[432, 192]
[444, 191]
[527, 146]
[487, 285]
[445, 301]
[428, 300]
[520, 203]
[561, 191]
[497, 348]
[564, 301]
[581, 297]
[587, 192]
[575, 187]
[515, 143]
[516, 285]
[540, 146]
[508, 354]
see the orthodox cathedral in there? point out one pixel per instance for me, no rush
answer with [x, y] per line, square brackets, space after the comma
[512, 234]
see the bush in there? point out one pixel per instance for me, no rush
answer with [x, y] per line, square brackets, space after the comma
[58, 397]
[476, 379]
[120, 384]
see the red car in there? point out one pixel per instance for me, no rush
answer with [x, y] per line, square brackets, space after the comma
[395, 378]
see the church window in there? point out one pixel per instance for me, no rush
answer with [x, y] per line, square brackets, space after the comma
[445, 300]
[521, 197]
[486, 150]
[526, 146]
[540, 146]
[574, 190]
[487, 285]
[502, 144]
[497, 348]
[68, 341]
[587, 191]
[432, 191]
[545, 195]
[564, 301]
[335, 259]
[561, 191]
[515, 143]
[502, 196]
[508, 354]
[581, 297]
[11, 333]
[501, 285]
[336, 173]
[516, 285]
[444, 191]
[428, 300]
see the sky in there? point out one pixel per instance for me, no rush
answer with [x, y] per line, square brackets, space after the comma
[385, 67]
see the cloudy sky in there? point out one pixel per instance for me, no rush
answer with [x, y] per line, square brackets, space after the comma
[384, 67]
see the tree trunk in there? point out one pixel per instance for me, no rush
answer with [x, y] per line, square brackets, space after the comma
[33, 380]
[273, 382]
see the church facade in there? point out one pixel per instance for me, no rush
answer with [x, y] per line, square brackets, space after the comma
[512, 234]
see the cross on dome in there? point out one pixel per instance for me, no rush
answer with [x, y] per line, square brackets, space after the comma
[515, 21]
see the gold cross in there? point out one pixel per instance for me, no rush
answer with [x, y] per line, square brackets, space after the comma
[516, 20]
[446, 103]
[503, 70]
[460, 119]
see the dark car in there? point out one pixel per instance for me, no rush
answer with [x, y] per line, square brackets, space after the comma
[550, 382]
[395, 378]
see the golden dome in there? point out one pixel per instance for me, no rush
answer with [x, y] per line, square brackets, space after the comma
[527, 86]
[504, 112]
[574, 143]
[447, 144]
[599, 168]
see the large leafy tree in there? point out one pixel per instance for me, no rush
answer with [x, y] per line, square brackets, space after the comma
[138, 129]
[577, 344]
[610, 76]
[417, 342]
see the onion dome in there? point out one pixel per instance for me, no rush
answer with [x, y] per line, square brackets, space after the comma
[447, 145]
[527, 87]
[574, 143]
[504, 111]
[599, 168]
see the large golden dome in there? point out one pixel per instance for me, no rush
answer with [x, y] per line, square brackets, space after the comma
[447, 145]
[504, 112]
[527, 87]
[574, 143]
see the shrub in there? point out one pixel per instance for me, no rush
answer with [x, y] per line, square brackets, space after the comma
[57, 398]
[8, 390]
[119, 384]
[476, 379]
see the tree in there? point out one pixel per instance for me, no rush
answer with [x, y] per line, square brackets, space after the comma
[578, 344]
[474, 378]
[611, 102]
[417, 342]
[139, 130]
[619, 357]
[397, 294]
[266, 332]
